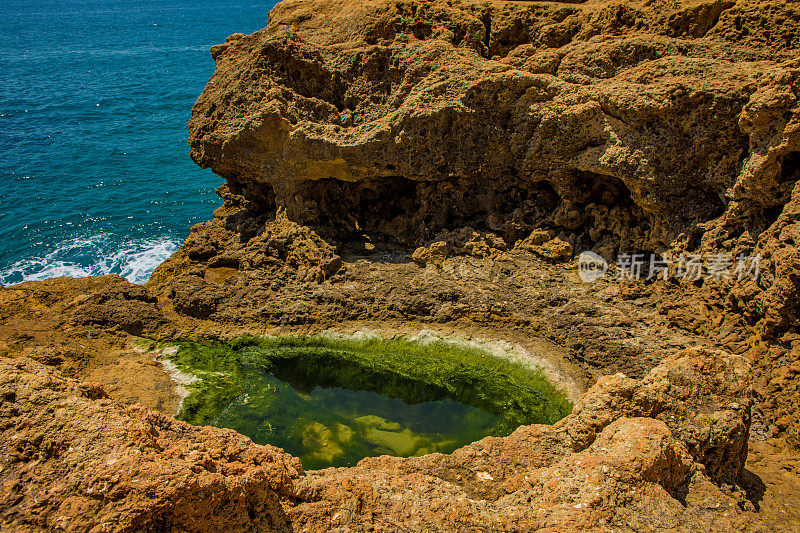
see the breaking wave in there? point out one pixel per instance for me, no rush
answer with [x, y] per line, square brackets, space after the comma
[94, 256]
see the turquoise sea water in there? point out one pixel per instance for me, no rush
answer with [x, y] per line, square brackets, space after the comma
[94, 160]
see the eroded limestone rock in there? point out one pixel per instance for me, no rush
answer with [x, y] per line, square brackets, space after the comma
[645, 126]
[74, 459]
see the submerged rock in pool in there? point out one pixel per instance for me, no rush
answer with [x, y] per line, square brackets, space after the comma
[334, 402]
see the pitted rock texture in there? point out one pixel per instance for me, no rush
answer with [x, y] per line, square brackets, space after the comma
[437, 162]
[458, 134]
[691, 393]
[74, 460]
[619, 125]
[467, 281]
[66, 322]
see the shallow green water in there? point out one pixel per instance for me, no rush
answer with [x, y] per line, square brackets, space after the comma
[333, 401]
[333, 426]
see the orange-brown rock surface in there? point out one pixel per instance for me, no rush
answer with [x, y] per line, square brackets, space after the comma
[74, 460]
[433, 149]
[620, 125]
[409, 164]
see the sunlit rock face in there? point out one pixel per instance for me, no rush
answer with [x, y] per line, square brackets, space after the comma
[444, 130]
[438, 163]
[621, 125]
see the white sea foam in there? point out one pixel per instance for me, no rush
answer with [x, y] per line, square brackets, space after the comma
[94, 256]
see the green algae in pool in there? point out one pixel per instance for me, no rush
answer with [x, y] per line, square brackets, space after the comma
[332, 401]
[334, 426]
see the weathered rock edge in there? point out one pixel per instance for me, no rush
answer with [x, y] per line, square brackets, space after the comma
[663, 452]
[425, 132]
[621, 126]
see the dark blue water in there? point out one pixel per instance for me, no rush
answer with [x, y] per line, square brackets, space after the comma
[94, 160]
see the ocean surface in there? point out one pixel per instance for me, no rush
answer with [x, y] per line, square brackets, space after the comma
[94, 159]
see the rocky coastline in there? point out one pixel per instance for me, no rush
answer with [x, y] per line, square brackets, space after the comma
[440, 165]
